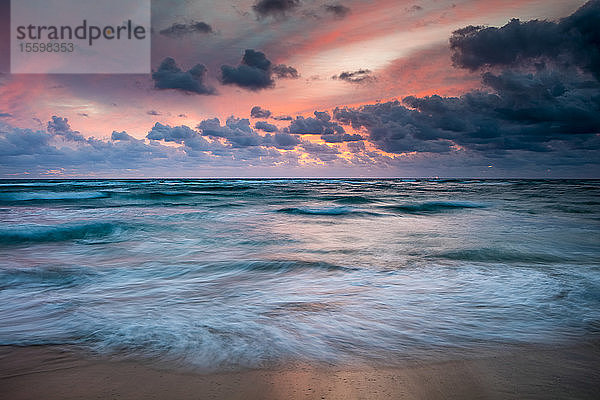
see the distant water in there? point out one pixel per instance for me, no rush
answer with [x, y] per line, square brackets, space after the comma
[229, 273]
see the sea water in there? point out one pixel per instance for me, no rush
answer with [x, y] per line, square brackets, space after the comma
[249, 273]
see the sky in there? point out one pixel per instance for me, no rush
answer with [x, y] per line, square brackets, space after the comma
[318, 88]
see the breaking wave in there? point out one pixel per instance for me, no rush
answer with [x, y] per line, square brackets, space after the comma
[324, 211]
[58, 233]
[10, 197]
[432, 207]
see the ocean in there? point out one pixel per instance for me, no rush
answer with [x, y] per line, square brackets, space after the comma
[245, 273]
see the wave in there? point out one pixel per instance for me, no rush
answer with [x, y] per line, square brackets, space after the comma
[46, 276]
[352, 200]
[432, 207]
[575, 209]
[58, 233]
[170, 195]
[9, 197]
[222, 188]
[267, 266]
[499, 255]
[324, 211]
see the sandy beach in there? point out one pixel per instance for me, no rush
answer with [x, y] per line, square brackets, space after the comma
[45, 372]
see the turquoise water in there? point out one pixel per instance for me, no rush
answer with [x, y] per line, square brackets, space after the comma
[247, 273]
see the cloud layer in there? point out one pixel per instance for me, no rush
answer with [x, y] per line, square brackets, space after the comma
[574, 40]
[542, 95]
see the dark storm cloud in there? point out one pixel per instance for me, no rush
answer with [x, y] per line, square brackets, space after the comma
[360, 76]
[338, 10]
[542, 97]
[170, 76]
[256, 59]
[255, 72]
[179, 29]
[572, 40]
[394, 128]
[274, 8]
[265, 126]
[531, 112]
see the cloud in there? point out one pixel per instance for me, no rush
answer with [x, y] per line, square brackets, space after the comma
[239, 134]
[284, 71]
[59, 147]
[572, 40]
[170, 76]
[265, 126]
[259, 112]
[321, 151]
[152, 112]
[341, 137]
[357, 147]
[191, 139]
[60, 127]
[539, 101]
[236, 131]
[255, 72]
[393, 128]
[121, 136]
[322, 125]
[541, 112]
[275, 8]
[5, 115]
[360, 76]
[177, 134]
[284, 140]
[338, 10]
[178, 30]
[414, 8]
[24, 142]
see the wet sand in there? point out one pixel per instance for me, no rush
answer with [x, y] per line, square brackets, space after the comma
[566, 372]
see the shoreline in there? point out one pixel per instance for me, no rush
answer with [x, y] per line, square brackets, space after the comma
[56, 372]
